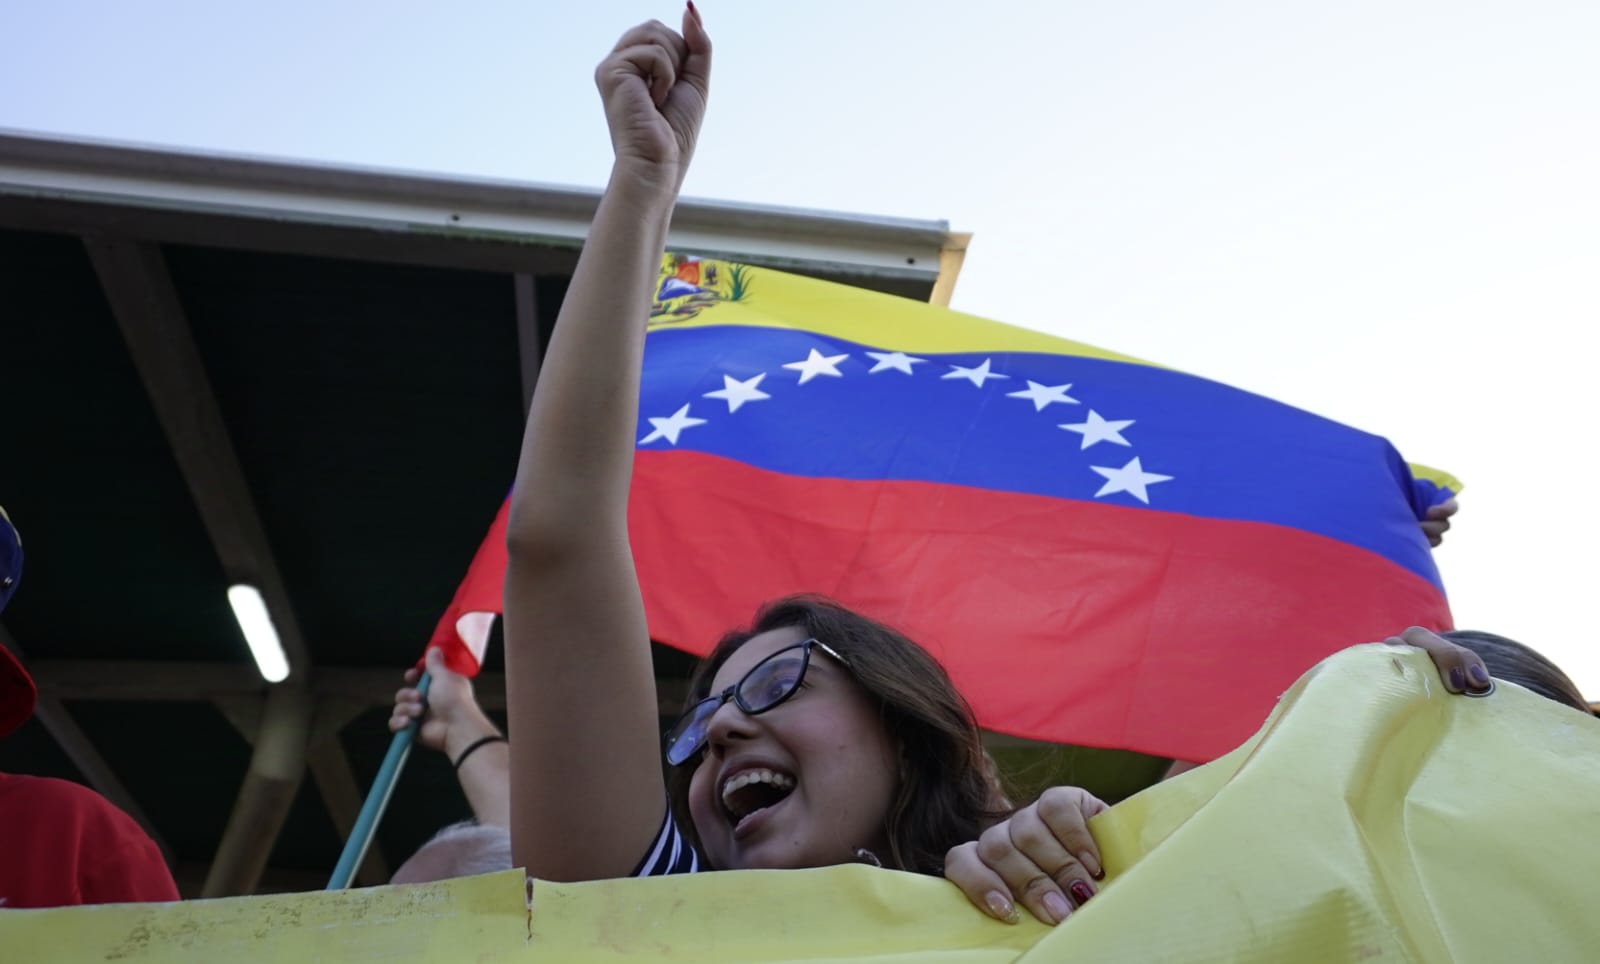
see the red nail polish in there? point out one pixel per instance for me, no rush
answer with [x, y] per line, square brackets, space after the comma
[1081, 892]
[1099, 874]
[693, 12]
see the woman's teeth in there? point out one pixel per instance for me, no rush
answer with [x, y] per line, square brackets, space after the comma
[773, 787]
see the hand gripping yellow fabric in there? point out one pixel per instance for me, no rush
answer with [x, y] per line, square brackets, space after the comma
[1373, 818]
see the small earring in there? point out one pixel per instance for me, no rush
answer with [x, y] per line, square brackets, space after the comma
[865, 856]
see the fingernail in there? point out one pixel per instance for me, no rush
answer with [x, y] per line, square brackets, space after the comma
[1001, 907]
[1092, 866]
[1456, 679]
[694, 12]
[1056, 906]
[1479, 674]
[1081, 892]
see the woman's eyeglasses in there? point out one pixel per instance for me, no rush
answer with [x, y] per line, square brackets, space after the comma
[768, 684]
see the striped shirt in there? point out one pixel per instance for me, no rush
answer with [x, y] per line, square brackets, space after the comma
[670, 853]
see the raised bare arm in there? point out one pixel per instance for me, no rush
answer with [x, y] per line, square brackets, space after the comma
[586, 786]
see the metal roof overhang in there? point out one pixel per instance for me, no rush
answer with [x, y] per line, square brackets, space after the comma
[78, 186]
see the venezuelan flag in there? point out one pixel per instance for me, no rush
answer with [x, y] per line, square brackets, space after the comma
[1102, 551]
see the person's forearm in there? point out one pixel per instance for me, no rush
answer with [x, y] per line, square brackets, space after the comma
[485, 774]
[586, 785]
[486, 780]
[587, 791]
[577, 455]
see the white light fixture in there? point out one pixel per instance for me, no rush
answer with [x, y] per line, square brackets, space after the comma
[251, 612]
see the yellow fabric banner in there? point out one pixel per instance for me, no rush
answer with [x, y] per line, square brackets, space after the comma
[1373, 818]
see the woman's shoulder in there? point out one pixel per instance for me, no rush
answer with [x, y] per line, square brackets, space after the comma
[671, 852]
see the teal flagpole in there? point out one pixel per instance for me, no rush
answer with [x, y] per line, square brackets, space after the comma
[355, 849]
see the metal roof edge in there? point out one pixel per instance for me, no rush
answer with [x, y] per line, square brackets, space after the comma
[43, 165]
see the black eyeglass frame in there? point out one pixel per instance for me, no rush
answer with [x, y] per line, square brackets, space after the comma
[679, 728]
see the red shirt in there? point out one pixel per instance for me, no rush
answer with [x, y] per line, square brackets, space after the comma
[61, 843]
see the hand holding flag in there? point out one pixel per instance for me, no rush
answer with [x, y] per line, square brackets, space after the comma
[1437, 521]
[451, 719]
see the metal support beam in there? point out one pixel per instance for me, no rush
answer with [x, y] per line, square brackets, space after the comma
[529, 351]
[333, 714]
[276, 768]
[244, 712]
[66, 732]
[164, 681]
[336, 781]
[145, 303]
[141, 680]
[58, 721]
[951, 257]
[330, 768]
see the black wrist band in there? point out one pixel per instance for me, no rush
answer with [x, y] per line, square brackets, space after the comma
[492, 738]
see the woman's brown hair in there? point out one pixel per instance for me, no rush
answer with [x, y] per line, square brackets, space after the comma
[1515, 662]
[945, 794]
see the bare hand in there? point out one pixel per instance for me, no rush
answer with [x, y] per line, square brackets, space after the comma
[654, 85]
[1437, 522]
[451, 717]
[1042, 856]
[1460, 668]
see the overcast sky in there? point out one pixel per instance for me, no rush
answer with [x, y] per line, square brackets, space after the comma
[1385, 212]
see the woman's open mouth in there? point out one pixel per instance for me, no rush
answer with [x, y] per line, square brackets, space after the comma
[749, 793]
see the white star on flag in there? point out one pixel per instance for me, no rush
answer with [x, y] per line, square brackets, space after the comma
[1097, 429]
[1131, 478]
[816, 364]
[976, 375]
[1042, 395]
[736, 393]
[897, 360]
[668, 428]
